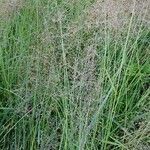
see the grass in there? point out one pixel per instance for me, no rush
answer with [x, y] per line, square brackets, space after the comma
[66, 86]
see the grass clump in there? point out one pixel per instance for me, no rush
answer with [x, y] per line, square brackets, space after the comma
[69, 83]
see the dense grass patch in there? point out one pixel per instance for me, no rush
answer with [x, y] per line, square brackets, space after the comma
[66, 86]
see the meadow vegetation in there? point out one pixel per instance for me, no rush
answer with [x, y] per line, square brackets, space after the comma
[74, 75]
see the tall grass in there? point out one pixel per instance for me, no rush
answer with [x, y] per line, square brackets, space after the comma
[66, 86]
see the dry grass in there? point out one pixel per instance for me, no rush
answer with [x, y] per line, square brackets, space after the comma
[117, 13]
[7, 7]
